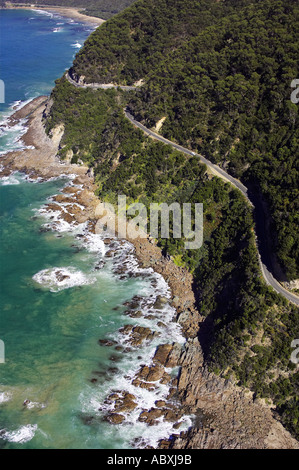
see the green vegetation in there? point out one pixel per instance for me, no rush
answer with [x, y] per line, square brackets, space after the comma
[126, 48]
[224, 90]
[101, 8]
[220, 73]
[226, 93]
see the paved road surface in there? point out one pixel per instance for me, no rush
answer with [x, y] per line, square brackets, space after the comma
[103, 86]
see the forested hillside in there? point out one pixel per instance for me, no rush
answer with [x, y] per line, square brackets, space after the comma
[222, 81]
[220, 73]
[226, 93]
[102, 8]
[126, 48]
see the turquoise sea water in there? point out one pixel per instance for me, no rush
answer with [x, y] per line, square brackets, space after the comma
[51, 329]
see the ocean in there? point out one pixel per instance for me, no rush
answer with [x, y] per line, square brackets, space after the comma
[62, 291]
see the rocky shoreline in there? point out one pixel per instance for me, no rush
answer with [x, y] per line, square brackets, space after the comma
[225, 416]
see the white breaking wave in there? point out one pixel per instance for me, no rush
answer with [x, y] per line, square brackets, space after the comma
[21, 435]
[5, 396]
[56, 279]
[9, 180]
[44, 12]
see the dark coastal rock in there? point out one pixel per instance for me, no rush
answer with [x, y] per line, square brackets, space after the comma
[150, 317]
[151, 374]
[107, 342]
[110, 253]
[138, 334]
[162, 354]
[160, 403]
[112, 370]
[126, 403]
[67, 217]
[160, 302]
[166, 378]
[133, 313]
[61, 277]
[114, 418]
[145, 385]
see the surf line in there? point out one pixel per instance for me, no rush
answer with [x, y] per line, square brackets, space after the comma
[2, 352]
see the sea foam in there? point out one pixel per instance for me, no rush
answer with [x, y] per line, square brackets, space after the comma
[56, 279]
[20, 435]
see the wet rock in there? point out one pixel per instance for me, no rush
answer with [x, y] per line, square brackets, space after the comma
[145, 385]
[139, 334]
[166, 378]
[170, 415]
[160, 302]
[112, 397]
[107, 241]
[150, 317]
[125, 330]
[61, 277]
[61, 198]
[177, 425]
[110, 253]
[155, 373]
[150, 416]
[126, 403]
[114, 418]
[162, 353]
[133, 313]
[112, 370]
[71, 190]
[160, 403]
[107, 342]
[67, 217]
[164, 444]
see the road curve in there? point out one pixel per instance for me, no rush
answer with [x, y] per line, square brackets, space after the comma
[268, 276]
[95, 86]
[215, 169]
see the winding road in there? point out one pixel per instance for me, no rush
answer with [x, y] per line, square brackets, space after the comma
[216, 170]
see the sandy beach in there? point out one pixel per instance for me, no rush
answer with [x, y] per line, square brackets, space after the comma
[226, 416]
[72, 13]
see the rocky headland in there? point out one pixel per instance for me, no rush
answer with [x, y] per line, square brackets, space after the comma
[224, 415]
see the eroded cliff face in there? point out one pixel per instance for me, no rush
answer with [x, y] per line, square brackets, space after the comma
[225, 416]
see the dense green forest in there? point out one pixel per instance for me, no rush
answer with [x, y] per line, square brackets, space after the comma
[220, 73]
[126, 48]
[226, 93]
[248, 328]
[101, 8]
